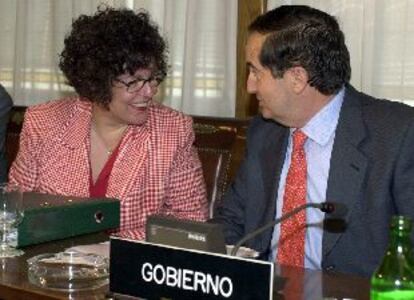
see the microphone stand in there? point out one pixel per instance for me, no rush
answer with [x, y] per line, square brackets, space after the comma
[273, 223]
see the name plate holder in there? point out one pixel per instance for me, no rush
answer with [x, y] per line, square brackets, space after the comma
[146, 270]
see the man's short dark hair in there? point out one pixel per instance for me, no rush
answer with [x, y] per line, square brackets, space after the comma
[107, 44]
[307, 37]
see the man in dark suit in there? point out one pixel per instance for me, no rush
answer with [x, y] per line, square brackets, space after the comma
[5, 106]
[358, 151]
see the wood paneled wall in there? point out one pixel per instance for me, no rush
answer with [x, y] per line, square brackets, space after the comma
[248, 10]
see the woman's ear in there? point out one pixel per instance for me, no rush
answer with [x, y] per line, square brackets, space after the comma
[298, 79]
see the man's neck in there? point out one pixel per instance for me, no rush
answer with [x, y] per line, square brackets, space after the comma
[313, 101]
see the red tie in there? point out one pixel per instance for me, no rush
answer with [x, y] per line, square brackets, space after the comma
[291, 246]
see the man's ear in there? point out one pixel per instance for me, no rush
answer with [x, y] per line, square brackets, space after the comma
[298, 79]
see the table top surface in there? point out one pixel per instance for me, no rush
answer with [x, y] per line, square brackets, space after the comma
[290, 283]
[14, 283]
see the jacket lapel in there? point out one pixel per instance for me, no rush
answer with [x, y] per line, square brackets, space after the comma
[77, 132]
[133, 153]
[272, 157]
[74, 136]
[348, 167]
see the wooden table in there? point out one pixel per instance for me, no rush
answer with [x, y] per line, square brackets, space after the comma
[14, 284]
[295, 283]
[290, 283]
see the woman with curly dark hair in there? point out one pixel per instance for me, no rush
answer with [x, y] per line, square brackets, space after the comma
[113, 140]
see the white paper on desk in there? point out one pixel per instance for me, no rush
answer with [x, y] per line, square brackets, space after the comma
[99, 249]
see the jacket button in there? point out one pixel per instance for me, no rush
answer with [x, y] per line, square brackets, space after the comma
[330, 268]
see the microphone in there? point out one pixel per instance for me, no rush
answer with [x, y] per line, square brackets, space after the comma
[335, 209]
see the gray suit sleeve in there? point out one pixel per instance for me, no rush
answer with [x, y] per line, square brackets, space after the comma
[5, 105]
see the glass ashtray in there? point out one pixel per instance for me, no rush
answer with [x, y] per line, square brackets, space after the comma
[68, 271]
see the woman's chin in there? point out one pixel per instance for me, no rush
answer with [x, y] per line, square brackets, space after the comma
[139, 120]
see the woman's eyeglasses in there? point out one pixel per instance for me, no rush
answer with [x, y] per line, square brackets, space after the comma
[137, 84]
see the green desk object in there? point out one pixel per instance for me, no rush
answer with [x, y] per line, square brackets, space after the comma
[51, 217]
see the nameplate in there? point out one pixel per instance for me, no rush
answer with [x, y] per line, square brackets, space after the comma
[148, 270]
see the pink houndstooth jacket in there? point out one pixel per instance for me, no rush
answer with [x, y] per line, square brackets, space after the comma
[157, 169]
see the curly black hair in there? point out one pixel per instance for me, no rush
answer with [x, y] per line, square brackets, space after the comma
[107, 44]
[299, 35]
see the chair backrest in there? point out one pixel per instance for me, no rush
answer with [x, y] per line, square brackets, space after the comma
[220, 143]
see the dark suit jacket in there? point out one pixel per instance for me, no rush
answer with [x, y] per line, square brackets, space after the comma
[371, 172]
[5, 106]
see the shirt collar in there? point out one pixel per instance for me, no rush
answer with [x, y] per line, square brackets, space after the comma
[322, 125]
